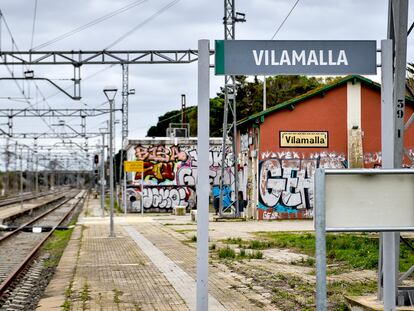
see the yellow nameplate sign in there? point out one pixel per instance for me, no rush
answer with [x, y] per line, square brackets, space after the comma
[304, 139]
[134, 166]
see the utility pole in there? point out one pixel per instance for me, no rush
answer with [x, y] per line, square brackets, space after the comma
[7, 181]
[15, 168]
[37, 173]
[28, 168]
[125, 128]
[49, 172]
[229, 21]
[35, 153]
[183, 108]
[21, 177]
[395, 78]
[103, 181]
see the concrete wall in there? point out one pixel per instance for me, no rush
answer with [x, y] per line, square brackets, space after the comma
[170, 172]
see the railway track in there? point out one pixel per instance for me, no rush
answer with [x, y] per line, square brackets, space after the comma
[26, 197]
[20, 264]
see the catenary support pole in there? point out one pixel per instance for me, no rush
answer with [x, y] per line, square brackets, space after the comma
[124, 122]
[103, 175]
[37, 174]
[203, 185]
[124, 193]
[21, 177]
[388, 144]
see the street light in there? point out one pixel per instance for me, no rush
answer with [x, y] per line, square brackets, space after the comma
[110, 93]
[103, 131]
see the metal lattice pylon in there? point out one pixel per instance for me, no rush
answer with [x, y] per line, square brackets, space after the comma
[227, 162]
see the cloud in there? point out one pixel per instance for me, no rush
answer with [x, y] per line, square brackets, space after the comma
[158, 87]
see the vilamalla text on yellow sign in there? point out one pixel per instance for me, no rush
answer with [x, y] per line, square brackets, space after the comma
[304, 139]
[134, 166]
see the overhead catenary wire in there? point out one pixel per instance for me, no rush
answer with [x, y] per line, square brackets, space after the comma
[170, 4]
[27, 100]
[90, 24]
[159, 12]
[34, 24]
[285, 19]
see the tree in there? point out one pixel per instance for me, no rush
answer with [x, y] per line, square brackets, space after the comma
[160, 130]
[249, 100]
[249, 96]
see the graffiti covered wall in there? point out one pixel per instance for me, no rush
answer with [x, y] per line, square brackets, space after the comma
[170, 173]
[286, 181]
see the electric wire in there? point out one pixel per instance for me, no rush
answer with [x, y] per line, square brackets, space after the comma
[283, 22]
[90, 24]
[27, 100]
[159, 12]
[33, 25]
[169, 5]
[410, 29]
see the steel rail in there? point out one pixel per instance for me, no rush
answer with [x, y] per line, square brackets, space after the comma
[27, 197]
[13, 276]
[3, 238]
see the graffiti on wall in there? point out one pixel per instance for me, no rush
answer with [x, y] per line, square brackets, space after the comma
[161, 198]
[227, 196]
[175, 166]
[286, 183]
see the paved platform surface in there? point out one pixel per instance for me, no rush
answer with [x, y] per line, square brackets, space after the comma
[147, 266]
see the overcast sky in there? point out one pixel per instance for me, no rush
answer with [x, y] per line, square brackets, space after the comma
[159, 87]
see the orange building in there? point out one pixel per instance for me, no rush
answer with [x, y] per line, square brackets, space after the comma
[335, 126]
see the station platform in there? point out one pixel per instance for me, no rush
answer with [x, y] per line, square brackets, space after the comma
[147, 266]
[14, 210]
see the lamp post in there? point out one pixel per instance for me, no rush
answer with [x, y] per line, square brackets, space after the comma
[114, 144]
[110, 93]
[103, 181]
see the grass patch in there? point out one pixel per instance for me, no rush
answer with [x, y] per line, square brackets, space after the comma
[55, 246]
[358, 251]
[226, 253]
[179, 224]
[67, 304]
[194, 238]
[84, 295]
[117, 209]
[229, 253]
[185, 230]
[237, 241]
[117, 295]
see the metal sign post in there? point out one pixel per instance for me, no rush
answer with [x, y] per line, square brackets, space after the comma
[135, 167]
[142, 193]
[358, 200]
[270, 57]
[387, 279]
[320, 233]
[203, 184]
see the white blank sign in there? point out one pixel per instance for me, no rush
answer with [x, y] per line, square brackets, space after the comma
[369, 202]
